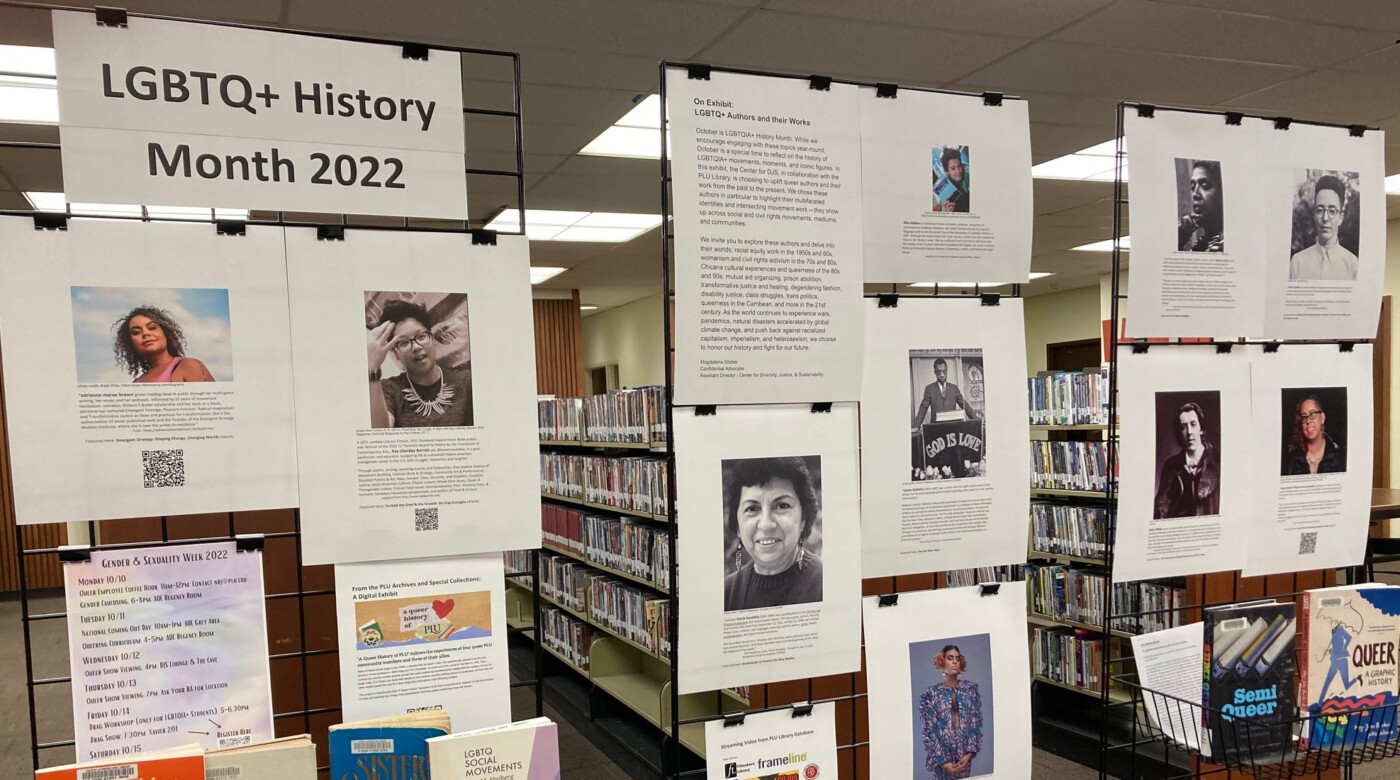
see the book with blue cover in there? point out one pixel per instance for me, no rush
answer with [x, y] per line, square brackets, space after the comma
[394, 748]
[1350, 673]
[1249, 685]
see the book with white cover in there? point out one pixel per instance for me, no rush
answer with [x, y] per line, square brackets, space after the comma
[526, 750]
[288, 758]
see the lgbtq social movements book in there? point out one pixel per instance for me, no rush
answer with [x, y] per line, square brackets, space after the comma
[394, 748]
[1248, 679]
[527, 750]
[1350, 673]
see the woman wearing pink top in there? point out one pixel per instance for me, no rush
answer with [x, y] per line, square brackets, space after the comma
[151, 347]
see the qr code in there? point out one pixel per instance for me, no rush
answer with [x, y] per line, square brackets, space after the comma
[1307, 543]
[163, 468]
[425, 519]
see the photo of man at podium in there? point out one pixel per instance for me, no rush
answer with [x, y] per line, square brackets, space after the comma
[947, 435]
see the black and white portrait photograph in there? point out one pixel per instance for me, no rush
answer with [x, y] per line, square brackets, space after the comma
[420, 368]
[1314, 430]
[947, 401]
[1188, 454]
[952, 179]
[1326, 238]
[1200, 210]
[772, 531]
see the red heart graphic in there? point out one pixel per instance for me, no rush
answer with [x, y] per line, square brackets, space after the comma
[443, 608]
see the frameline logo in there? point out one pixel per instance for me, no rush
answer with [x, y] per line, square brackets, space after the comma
[731, 769]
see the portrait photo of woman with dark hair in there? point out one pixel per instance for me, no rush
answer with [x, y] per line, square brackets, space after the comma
[429, 348]
[773, 530]
[150, 346]
[1314, 431]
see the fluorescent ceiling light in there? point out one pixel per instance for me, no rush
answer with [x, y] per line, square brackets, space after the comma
[1105, 245]
[601, 226]
[645, 114]
[55, 202]
[1093, 164]
[587, 307]
[29, 60]
[968, 285]
[1392, 184]
[542, 273]
[636, 134]
[29, 94]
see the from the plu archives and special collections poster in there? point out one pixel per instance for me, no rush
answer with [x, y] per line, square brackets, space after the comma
[415, 395]
[777, 745]
[949, 683]
[948, 374]
[918, 154]
[148, 368]
[420, 634]
[773, 591]
[766, 193]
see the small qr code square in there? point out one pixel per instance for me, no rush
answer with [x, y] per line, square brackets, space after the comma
[425, 519]
[163, 468]
[1307, 543]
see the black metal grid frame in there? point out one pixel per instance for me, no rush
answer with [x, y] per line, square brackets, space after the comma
[45, 220]
[673, 747]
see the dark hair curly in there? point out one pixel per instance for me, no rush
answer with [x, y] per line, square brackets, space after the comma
[1330, 182]
[399, 310]
[1200, 418]
[128, 359]
[950, 153]
[757, 472]
[940, 661]
[1298, 441]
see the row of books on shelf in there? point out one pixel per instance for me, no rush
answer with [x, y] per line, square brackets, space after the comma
[633, 547]
[961, 578]
[632, 416]
[1070, 656]
[1069, 397]
[631, 611]
[1065, 593]
[635, 484]
[566, 635]
[1068, 529]
[1069, 465]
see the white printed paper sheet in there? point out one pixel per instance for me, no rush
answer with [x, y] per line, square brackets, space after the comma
[919, 152]
[948, 375]
[415, 392]
[1185, 497]
[424, 634]
[1313, 427]
[148, 370]
[949, 679]
[772, 590]
[1169, 662]
[778, 744]
[766, 194]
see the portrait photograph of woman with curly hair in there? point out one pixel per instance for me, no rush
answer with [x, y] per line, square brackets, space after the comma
[772, 532]
[151, 335]
[951, 685]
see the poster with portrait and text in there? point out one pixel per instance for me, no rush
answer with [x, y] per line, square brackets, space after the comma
[147, 370]
[918, 155]
[772, 591]
[949, 376]
[415, 390]
[1185, 494]
[1313, 424]
[949, 681]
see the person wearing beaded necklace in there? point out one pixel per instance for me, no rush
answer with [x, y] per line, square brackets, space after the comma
[1312, 450]
[425, 394]
[1189, 484]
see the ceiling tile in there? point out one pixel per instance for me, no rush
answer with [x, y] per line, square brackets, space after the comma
[1051, 141]
[596, 108]
[1059, 196]
[577, 68]
[1365, 14]
[1385, 61]
[995, 17]
[633, 194]
[33, 170]
[1328, 96]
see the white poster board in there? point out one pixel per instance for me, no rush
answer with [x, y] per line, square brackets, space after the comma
[183, 114]
[397, 468]
[1169, 662]
[943, 436]
[196, 319]
[773, 744]
[772, 590]
[919, 151]
[766, 195]
[424, 634]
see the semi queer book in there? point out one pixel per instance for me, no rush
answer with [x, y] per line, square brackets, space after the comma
[181, 763]
[1248, 680]
[1350, 674]
[527, 750]
[393, 748]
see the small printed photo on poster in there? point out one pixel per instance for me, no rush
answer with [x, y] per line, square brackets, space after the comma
[948, 400]
[772, 531]
[1326, 226]
[420, 366]
[953, 723]
[1200, 206]
[145, 335]
[421, 620]
[952, 179]
[1314, 427]
[1188, 454]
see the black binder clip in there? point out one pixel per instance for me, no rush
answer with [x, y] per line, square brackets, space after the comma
[698, 71]
[887, 300]
[415, 51]
[1283, 122]
[885, 89]
[991, 299]
[248, 542]
[1271, 347]
[1146, 110]
[330, 232]
[705, 410]
[1140, 347]
[1234, 118]
[1223, 348]
[74, 553]
[802, 709]
[821, 406]
[110, 17]
[482, 236]
[732, 719]
[1346, 346]
[47, 220]
[1357, 130]
[231, 227]
[889, 599]
[991, 98]
[819, 83]
[990, 588]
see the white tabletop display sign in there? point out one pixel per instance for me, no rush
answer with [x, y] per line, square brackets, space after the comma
[415, 395]
[1185, 495]
[919, 151]
[1312, 422]
[1169, 670]
[148, 370]
[952, 495]
[949, 679]
[766, 194]
[184, 114]
[168, 647]
[424, 634]
[790, 743]
[772, 523]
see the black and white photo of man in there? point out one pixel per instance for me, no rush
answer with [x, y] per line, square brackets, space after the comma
[941, 396]
[1200, 208]
[1326, 208]
[949, 428]
[1188, 482]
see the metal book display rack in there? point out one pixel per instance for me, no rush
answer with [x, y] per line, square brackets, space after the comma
[299, 600]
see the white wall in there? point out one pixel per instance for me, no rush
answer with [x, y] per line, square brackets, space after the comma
[630, 336]
[1072, 315]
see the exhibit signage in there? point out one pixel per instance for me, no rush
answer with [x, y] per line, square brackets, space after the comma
[182, 114]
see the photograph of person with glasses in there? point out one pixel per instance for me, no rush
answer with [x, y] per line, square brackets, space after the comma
[1314, 422]
[428, 382]
[1326, 222]
[949, 714]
